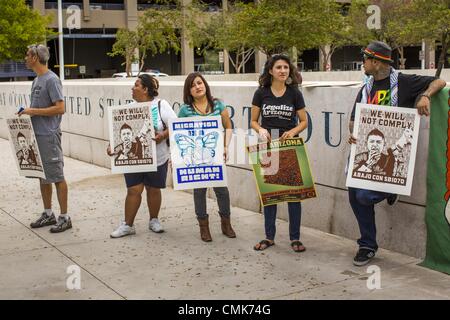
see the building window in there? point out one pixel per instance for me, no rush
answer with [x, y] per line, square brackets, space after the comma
[93, 4]
[53, 4]
[107, 4]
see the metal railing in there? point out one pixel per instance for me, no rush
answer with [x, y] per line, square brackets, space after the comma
[15, 69]
[107, 6]
[206, 68]
[65, 5]
[351, 65]
[145, 6]
[92, 5]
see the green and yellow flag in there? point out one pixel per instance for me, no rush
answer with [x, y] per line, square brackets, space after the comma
[437, 214]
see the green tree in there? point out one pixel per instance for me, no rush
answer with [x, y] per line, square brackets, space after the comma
[222, 30]
[156, 32]
[201, 28]
[275, 26]
[269, 25]
[332, 29]
[235, 36]
[393, 17]
[430, 20]
[20, 26]
[272, 26]
[126, 45]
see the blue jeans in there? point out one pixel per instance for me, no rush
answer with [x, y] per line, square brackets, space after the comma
[363, 204]
[295, 216]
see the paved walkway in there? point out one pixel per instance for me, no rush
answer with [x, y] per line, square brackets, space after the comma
[177, 264]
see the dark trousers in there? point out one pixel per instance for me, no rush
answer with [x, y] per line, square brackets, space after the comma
[295, 216]
[363, 204]
[223, 200]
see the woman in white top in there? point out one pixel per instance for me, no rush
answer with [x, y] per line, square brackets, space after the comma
[146, 89]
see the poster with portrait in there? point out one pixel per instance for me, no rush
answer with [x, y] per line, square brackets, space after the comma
[196, 148]
[131, 133]
[384, 156]
[24, 147]
[282, 171]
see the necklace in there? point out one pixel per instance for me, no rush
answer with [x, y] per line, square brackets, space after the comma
[277, 92]
[199, 110]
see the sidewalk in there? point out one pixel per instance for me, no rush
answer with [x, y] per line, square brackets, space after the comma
[177, 264]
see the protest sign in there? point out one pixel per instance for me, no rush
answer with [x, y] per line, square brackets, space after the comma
[384, 156]
[196, 147]
[282, 171]
[131, 131]
[24, 147]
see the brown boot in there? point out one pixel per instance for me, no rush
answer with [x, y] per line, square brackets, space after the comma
[204, 229]
[226, 227]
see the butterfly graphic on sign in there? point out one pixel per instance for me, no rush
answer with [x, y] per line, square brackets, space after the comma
[199, 150]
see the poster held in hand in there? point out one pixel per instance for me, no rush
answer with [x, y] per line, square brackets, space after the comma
[282, 171]
[24, 147]
[384, 156]
[131, 133]
[196, 148]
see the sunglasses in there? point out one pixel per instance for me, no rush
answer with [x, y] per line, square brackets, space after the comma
[366, 56]
[35, 46]
[279, 55]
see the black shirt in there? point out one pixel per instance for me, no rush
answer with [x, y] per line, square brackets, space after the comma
[409, 87]
[278, 112]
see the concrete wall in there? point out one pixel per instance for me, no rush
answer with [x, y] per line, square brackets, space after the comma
[400, 228]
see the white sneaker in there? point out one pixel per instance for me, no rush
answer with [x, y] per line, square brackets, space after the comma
[155, 225]
[123, 230]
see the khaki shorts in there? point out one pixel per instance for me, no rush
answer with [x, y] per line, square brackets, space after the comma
[52, 157]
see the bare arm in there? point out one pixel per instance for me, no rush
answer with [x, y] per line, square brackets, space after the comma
[226, 122]
[351, 138]
[303, 124]
[424, 103]
[51, 111]
[350, 126]
[256, 111]
[161, 136]
[435, 87]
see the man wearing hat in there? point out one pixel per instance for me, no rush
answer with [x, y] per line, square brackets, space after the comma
[388, 87]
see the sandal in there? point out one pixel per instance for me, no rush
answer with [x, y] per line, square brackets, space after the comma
[299, 245]
[263, 245]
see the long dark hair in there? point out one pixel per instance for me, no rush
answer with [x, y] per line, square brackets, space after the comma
[265, 80]
[188, 98]
[151, 83]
